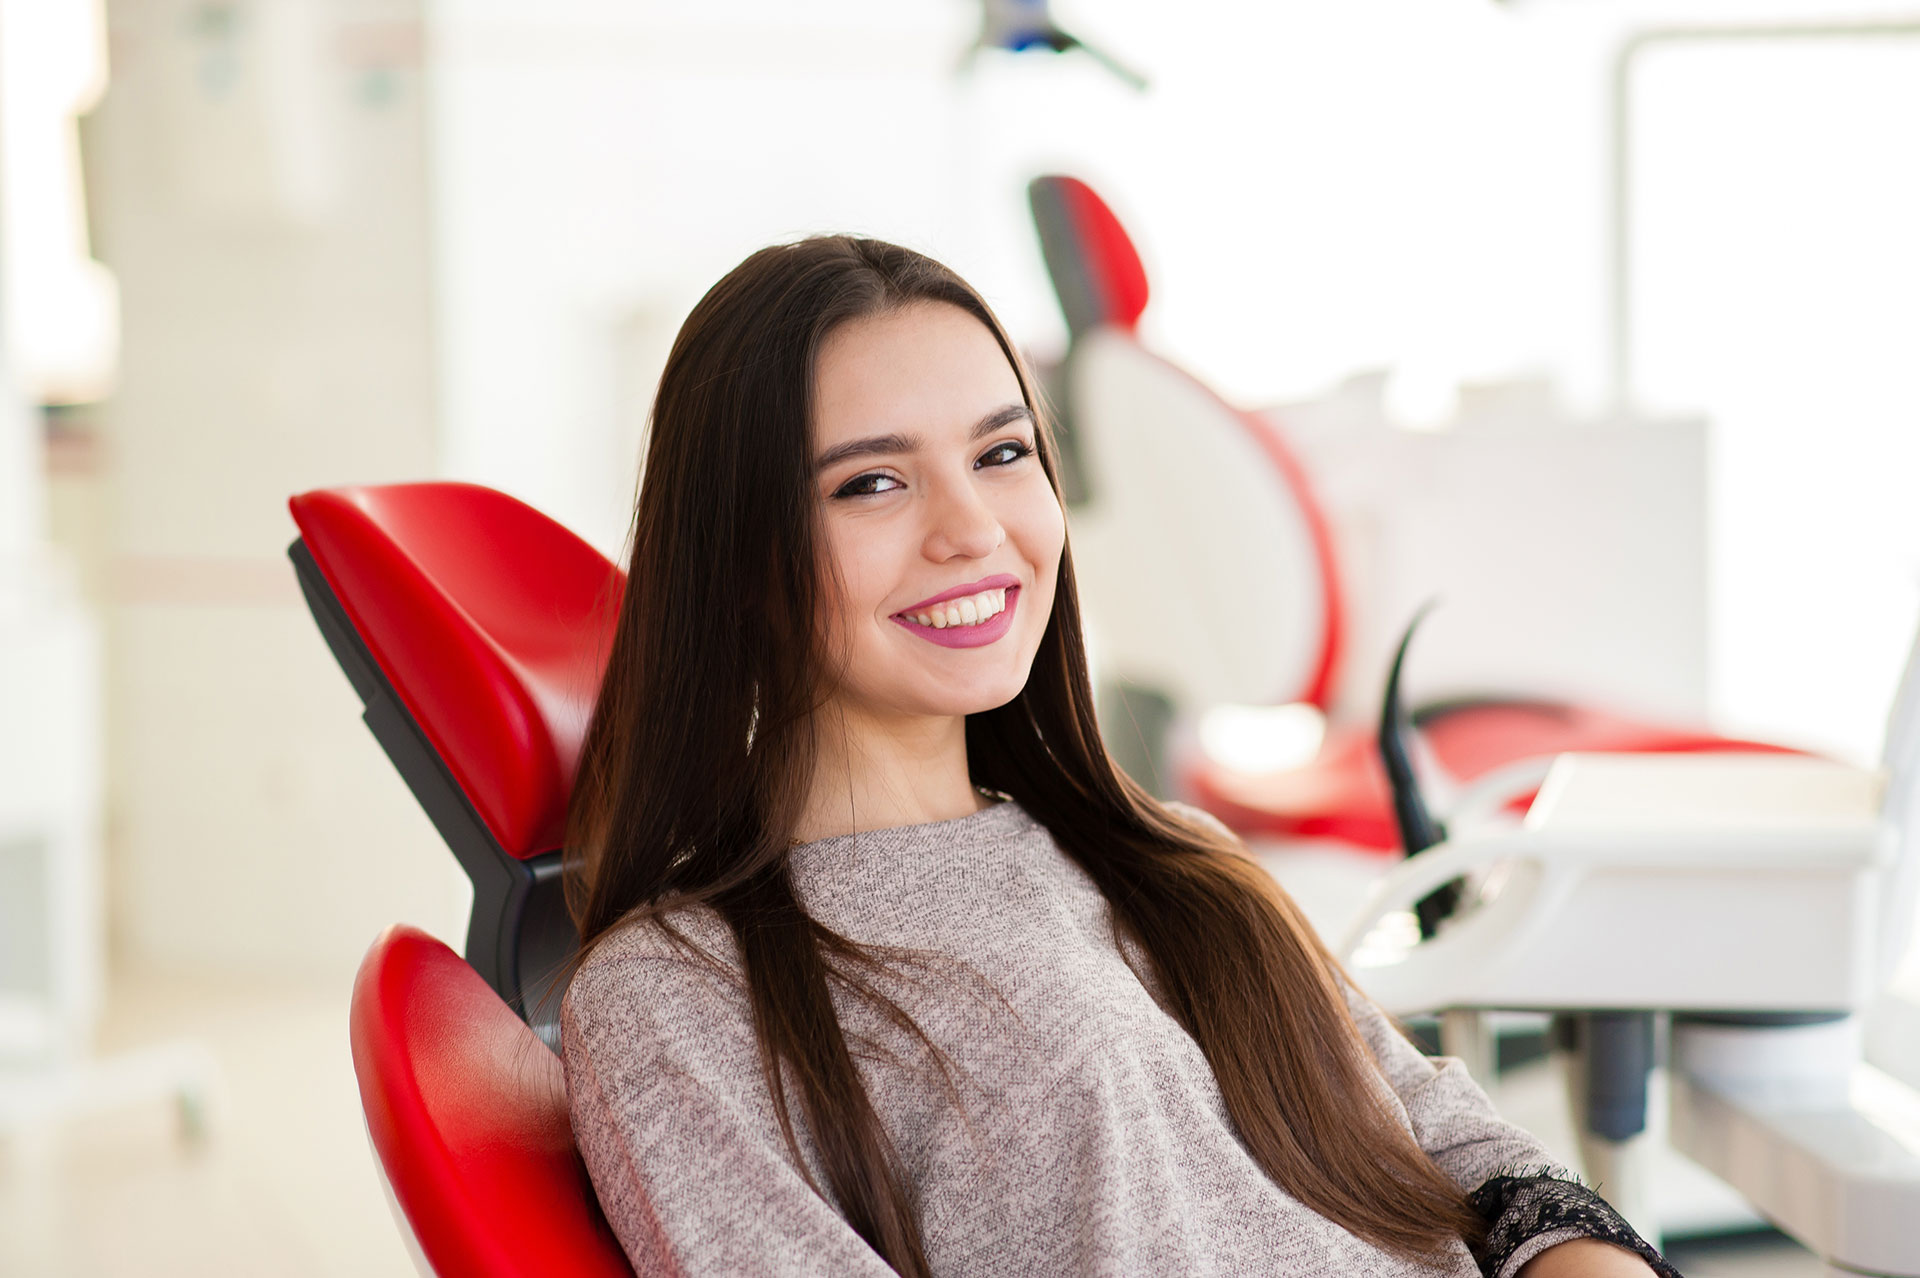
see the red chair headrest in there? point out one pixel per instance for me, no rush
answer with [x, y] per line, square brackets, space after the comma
[491, 621]
[1096, 271]
[468, 1115]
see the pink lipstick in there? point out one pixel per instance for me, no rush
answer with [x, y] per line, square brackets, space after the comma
[967, 636]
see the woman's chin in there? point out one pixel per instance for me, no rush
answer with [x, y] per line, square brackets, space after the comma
[949, 701]
[995, 698]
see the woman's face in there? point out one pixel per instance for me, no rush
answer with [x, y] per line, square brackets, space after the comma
[929, 487]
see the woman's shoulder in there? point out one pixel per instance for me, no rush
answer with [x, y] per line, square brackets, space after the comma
[655, 1015]
[672, 965]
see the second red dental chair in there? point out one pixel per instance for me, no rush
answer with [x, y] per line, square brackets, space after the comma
[1172, 485]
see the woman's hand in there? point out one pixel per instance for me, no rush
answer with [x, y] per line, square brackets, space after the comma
[1586, 1258]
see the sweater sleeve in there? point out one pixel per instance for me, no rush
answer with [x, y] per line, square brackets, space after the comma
[678, 1134]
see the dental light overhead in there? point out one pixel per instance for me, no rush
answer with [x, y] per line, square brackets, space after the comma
[1021, 26]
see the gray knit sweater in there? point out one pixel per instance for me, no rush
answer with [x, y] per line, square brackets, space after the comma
[1082, 1132]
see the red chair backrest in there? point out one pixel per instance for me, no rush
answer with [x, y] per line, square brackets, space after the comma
[1097, 273]
[467, 1111]
[492, 623]
[1140, 421]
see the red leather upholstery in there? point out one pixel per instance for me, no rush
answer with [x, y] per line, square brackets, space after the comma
[468, 1115]
[490, 620]
[1343, 793]
[1104, 262]
[1476, 739]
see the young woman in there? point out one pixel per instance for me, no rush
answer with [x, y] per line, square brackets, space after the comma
[886, 967]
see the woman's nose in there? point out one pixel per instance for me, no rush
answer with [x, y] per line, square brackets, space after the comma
[961, 524]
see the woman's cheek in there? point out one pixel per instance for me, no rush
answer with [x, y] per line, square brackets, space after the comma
[1049, 535]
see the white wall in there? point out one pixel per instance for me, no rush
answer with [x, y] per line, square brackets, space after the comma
[258, 181]
[1778, 282]
[598, 166]
[1315, 187]
[1321, 187]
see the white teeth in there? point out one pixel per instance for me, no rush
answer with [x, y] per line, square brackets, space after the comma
[970, 611]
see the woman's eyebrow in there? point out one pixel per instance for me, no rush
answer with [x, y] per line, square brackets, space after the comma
[886, 445]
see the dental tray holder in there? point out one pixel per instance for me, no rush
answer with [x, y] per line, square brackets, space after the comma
[1761, 900]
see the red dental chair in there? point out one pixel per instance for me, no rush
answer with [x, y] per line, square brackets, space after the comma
[475, 630]
[1164, 480]
[467, 1113]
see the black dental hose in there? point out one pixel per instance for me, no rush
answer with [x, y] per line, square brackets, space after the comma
[1418, 828]
[1617, 1048]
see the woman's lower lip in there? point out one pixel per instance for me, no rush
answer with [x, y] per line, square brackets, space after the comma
[969, 636]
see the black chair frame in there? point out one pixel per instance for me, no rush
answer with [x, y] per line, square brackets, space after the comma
[519, 934]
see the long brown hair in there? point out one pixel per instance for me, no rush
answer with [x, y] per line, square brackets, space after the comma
[701, 748]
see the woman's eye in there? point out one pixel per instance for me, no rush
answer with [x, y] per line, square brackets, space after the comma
[855, 487]
[1013, 446]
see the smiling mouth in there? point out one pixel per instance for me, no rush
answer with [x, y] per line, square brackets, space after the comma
[972, 610]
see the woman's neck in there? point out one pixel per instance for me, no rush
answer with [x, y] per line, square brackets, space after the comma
[869, 778]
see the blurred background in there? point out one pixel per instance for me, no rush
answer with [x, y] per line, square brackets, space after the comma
[1639, 403]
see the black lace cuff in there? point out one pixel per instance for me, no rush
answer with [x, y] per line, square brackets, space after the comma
[1521, 1203]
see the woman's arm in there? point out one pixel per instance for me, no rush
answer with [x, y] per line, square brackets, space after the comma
[672, 1117]
[1534, 1208]
[1586, 1258]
